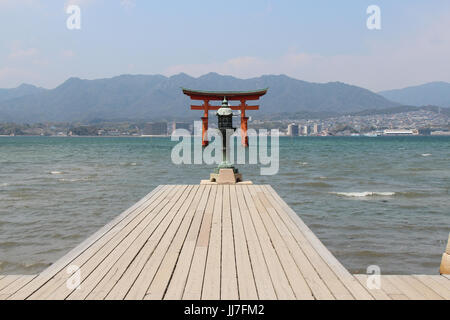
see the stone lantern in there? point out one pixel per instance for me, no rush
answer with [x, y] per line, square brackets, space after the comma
[226, 173]
[225, 123]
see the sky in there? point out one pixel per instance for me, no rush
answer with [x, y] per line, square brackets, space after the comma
[318, 41]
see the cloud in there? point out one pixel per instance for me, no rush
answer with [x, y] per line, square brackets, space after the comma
[128, 4]
[412, 60]
[79, 3]
[68, 53]
[11, 3]
[12, 77]
[18, 53]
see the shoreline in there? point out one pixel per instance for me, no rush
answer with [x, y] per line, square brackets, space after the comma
[281, 136]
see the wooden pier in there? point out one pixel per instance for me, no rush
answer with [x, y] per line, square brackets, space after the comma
[210, 242]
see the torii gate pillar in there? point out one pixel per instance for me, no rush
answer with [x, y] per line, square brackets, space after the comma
[242, 96]
[205, 141]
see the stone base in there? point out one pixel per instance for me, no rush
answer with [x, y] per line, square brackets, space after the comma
[445, 264]
[225, 176]
[208, 182]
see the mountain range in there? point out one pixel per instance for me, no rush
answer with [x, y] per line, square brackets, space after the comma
[433, 93]
[156, 97]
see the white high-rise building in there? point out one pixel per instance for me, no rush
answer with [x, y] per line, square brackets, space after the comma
[304, 130]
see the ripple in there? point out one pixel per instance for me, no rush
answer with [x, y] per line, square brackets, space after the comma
[364, 194]
[48, 206]
[25, 268]
[317, 184]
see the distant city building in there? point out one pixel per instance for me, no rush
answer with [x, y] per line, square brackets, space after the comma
[440, 133]
[292, 130]
[319, 128]
[315, 129]
[304, 130]
[155, 129]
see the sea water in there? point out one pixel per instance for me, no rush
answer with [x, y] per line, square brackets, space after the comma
[372, 200]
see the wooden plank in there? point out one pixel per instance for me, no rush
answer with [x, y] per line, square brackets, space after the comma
[263, 282]
[176, 230]
[245, 277]
[296, 279]
[391, 290]
[336, 287]
[15, 286]
[112, 227]
[194, 284]
[427, 292]
[57, 287]
[212, 242]
[444, 279]
[434, 285]
[405, 287]
[378, 294]
[123, 282]
[229, 287]
[115, 225]
[438, 283]
[425, 286]
[353, 285]
[315, 283]
[212, 278]
[112, 267]
[141, 249]
[6, 281]
[279, 279]
[176, 264]
[151, 252]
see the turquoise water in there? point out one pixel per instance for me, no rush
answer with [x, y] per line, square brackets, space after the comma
[373, 201]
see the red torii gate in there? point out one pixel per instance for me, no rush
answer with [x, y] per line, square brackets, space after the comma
[207, 96]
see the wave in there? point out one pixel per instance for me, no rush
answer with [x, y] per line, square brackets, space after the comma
[74, 180]
[365, 194]
[10, 244]
[415, 194]
[25, 268]
[129, 164]
[56, 172]
[317, 184]
[426, 154]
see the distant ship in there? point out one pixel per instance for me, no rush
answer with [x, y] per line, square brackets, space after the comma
[400, 132]
[372, 134]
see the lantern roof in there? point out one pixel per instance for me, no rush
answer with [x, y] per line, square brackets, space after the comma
[225, 110]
